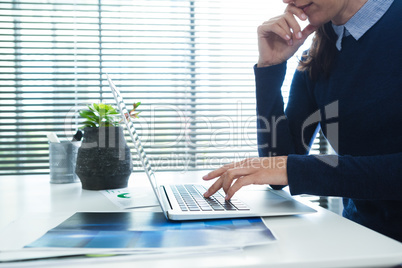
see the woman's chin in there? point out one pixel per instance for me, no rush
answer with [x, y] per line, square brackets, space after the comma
[316, 22]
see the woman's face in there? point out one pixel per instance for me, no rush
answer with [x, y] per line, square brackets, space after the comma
[323, 11]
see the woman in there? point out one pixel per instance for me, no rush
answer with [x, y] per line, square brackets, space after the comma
[349, 83]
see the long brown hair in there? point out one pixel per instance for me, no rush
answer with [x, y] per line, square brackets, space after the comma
[320, 57]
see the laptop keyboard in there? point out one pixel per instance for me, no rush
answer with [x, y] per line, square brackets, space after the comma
[190, 198]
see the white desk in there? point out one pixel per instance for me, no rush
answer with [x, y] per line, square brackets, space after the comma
[30, 206]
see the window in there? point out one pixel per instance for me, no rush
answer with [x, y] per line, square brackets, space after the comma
[188, 62]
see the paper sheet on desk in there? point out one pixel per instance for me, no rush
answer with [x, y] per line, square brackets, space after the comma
[41, 257]
[151, 230]
[128, 198]
[140, 234]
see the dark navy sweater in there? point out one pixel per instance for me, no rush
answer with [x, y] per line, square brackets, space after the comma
[359, 109]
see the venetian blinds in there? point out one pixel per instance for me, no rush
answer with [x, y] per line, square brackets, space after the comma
[188, 62]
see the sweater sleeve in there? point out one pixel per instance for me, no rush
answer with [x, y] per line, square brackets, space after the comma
[279, 132]
[358, 177]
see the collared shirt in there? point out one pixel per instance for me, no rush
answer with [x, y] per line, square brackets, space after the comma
[362, 21]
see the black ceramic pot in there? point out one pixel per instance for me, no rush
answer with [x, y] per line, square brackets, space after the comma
[104, 159]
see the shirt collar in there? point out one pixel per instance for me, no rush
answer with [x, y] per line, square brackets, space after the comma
[362, 21]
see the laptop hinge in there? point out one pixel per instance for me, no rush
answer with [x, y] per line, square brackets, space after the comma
[167, 197]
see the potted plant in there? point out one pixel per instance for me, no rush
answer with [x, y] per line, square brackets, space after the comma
[104, 159]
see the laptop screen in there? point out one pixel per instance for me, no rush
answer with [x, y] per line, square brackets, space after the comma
[133, 134]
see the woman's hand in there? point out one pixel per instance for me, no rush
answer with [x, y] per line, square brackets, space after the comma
[280, 37]
[259, 170]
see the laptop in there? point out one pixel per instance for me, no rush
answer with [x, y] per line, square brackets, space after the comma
[186, 201]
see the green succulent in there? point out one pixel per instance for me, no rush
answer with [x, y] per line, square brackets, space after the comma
[104, 115]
